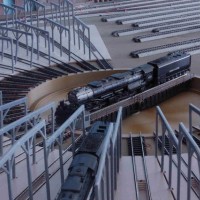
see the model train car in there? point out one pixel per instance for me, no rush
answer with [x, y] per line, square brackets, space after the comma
[83, 168]
[98, 94]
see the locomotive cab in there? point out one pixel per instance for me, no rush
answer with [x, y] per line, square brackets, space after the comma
[170, 66]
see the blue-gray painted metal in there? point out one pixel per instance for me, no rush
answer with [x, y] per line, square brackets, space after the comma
[61, 28]
[13, 104]
[7, 10]
[6, 162]
[192, 109]
[38, 32]
[11, 50]
[1, 98]
[56, 9]
[4, 109]
[192, 148]
[17, 34]
[109, 162]
[29, 5]
[173, 141]
[57, 137]
[18, 10]
[70, 7]
[81, 34]
[102, 167]
[30, 119]
[39, 5]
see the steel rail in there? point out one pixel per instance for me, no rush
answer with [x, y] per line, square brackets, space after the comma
[145, 169]
[134, 169]
[166, 48]
[164, 15]
[149, 10]
[168, 33]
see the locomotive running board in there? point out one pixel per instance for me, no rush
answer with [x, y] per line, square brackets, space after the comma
[139, 98]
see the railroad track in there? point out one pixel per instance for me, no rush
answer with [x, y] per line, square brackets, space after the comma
[128, 14]
[165, 15]
[191, 46]
[166, 34]
[137, 148]
[157, 27]
[171, 20]
[135, 5]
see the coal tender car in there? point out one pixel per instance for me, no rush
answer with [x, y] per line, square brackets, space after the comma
[98, 94]
[83, 168]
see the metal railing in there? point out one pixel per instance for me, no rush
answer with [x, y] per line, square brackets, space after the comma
[109, 162]
[10, 40]
[39, 33]
[27, 144]
[173, 142]
[81, 28]
[4, 109]
[76, 118]
[30, 119]
[61, 29]
[24, 143]
[18, 34]
[28, 6]
[191, 149]
[192, 110]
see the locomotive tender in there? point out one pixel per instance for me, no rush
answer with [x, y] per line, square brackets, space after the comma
[83, 168]
[119, 86]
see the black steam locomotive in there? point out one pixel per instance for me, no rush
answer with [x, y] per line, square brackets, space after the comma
[83, 168]
[98, 94]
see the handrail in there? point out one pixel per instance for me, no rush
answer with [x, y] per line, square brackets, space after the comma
[4, 109]
[109, 162]
[57, 137]
[14, 126]
[192, 109]
[7, 162]
[173, 141]
[192, 148]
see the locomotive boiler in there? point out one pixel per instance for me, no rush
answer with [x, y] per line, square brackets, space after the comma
[82, 170]
[98, 94]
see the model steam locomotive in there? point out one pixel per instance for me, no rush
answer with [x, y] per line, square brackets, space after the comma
[83, 168]
[98, 94]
